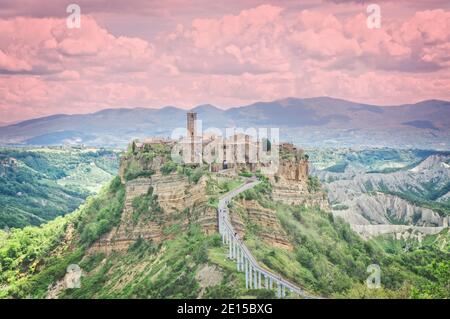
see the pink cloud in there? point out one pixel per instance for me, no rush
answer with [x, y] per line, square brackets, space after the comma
[260, 52]
[12, 64]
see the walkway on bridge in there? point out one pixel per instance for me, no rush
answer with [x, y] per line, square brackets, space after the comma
[256, 277]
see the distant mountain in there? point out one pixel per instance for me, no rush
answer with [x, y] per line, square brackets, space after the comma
[308, 122]
[4, 123]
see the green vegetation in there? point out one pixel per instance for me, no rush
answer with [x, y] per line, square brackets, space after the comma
[330, 259]
[168, 168]
[313, 184]
[246, 173]
[134, 170]
[340, 207]
[425, 198]
[34, 257]
[20, 250]
[440, 288]
[37, 185]
[167, 270]
[260, 193]
[193, 173]
[102, 213]
[146, 205]
[338, 168]
[140, 161]
[216, 186]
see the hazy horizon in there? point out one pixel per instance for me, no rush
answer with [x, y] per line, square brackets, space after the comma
[2, 123]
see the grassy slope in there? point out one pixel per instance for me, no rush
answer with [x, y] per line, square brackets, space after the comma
[331, 260]
[34, 258]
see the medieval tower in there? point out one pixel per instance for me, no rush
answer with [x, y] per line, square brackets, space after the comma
[192, 133]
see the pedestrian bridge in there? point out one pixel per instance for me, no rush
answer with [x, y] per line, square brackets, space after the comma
[256, 277]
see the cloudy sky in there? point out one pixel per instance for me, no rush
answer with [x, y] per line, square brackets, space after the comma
[226, 52]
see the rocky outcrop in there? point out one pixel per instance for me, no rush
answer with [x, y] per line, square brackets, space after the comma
[175, 193]
[364, 199]
[375, 214]
[399, 231]
[433, 162]
[180, 202]
[208, 276]
[290, 183]
[293, 170]
[445, 198]
[268, 226]
[296, 193]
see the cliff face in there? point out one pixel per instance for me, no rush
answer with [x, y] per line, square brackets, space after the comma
[379, 213]
[293, 169]
[178, 202]
[250, 212]
[291, 185]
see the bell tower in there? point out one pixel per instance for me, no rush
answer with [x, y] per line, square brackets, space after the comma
[192, 133]
[191, 125]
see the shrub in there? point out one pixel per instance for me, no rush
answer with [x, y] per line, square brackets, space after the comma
[168, 168]
[196, 175]
[313, 184]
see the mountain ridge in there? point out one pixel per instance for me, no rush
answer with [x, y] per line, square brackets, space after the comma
[321, 121]
[202, 106]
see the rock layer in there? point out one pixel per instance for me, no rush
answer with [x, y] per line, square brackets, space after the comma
[268, 226]
[180, 201]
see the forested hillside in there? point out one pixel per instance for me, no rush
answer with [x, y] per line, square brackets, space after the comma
[36, 185]
[321, 253]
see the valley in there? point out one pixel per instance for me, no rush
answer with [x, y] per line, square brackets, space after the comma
[152, 233]
[39, 184]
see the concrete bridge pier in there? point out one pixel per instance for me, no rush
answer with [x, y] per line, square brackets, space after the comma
[249, 276]
[238, 259]
[230, 244]
[246, 273]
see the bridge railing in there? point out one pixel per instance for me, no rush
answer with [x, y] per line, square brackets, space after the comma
[244, 258]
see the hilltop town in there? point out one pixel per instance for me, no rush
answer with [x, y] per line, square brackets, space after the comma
[179, 187]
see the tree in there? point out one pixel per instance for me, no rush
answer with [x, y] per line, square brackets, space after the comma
[438, 289]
